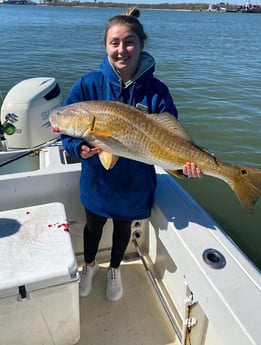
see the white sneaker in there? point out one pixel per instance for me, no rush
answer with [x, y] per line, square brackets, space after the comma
[114, 286]
[87, 274]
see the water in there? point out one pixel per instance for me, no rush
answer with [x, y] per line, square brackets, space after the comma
[210, 61]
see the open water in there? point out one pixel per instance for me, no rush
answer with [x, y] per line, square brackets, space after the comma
[210, 61]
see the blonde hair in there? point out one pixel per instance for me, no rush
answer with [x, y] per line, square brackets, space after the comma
[130, 19]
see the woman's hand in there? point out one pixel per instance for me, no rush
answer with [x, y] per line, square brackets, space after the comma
[87, 152]
[191, 170]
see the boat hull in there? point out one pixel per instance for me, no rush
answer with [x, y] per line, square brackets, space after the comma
[212, 305]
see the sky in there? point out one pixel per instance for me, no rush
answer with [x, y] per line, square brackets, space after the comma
[238, 2]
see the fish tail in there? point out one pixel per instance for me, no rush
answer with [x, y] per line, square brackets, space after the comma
[247, 187]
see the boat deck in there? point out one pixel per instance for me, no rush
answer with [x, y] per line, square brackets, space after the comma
[138, 318]
[210, 305]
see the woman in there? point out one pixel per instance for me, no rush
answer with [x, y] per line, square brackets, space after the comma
[125, 192]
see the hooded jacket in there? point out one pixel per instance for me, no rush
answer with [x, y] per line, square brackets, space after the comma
[127, 190]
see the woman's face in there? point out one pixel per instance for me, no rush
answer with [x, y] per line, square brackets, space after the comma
[123, 47]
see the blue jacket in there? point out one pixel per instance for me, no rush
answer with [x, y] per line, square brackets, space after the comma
[127, 190]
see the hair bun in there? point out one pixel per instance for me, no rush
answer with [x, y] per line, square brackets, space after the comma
[130, 19]
[133, 11]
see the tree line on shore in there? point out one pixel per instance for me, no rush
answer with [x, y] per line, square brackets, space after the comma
[166, 6]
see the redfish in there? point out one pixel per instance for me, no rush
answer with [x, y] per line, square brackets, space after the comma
[159, 139]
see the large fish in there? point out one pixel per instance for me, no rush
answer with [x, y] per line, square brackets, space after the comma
[122, 130]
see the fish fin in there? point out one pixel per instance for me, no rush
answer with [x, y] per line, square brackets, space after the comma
[107, 159]
[170, 123]
[177, 173]
[247, 187]
[205, 150]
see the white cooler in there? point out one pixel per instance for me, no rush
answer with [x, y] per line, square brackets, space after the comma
[39, 298]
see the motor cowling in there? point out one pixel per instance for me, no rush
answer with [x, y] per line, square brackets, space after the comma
[31, 101]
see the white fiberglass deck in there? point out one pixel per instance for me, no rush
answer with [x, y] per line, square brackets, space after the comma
[138, 318]
[212, 306]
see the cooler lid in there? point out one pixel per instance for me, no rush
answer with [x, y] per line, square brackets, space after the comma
[35, 248]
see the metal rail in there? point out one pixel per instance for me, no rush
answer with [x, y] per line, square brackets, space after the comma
[158, 291]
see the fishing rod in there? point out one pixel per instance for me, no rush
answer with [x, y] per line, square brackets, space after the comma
[30, 151]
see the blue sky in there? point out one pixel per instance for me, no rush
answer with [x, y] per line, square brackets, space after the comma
[238, 2]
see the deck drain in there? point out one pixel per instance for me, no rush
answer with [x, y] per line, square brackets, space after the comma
[214, 258]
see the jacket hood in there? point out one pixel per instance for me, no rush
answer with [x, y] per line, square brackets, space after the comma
[146, 67]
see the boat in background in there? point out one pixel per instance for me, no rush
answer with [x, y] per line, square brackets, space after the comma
[184, 280]
[249, 8]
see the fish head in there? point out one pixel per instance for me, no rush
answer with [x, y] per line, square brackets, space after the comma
[72, 120]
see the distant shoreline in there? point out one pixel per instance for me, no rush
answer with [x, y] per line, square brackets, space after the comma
[163, 6]
[219, 7]
[166, 6]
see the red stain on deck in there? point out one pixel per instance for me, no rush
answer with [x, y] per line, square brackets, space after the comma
[57, 225]
[60, 226]
[65, 226]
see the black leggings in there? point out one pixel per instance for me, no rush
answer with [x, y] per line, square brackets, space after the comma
[93, 232]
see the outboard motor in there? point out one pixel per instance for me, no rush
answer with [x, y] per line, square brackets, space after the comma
[27, 106]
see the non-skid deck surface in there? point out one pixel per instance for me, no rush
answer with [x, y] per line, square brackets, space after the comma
[137, 319]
